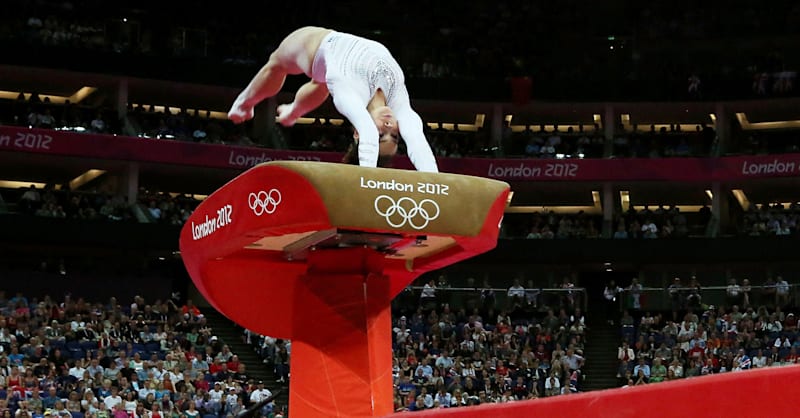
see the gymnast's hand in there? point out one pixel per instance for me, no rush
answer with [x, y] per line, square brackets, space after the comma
[240, 112]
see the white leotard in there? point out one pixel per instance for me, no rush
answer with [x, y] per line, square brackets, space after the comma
[354, 68]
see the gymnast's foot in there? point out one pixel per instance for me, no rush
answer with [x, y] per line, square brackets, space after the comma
[285, 116]
[240, 112]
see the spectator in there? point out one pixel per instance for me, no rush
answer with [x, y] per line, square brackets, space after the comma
[733, 292]
[516, 294]
[428, 296]
[191, 310]
[260, 394]
[649, 229]
[658, 372]
[610, 294]
[98, 125]
[642, 369]
[781, 292]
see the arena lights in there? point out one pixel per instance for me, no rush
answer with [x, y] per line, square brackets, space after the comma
[766, 125]
[625, 199]
[567, 156]
[76, 97]
[14, 184]
[741, 197]
[68, 128]
[86, 177]
[597, 119]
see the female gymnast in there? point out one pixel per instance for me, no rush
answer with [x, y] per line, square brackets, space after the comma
[367, 86]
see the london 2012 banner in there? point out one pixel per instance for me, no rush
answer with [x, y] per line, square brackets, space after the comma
[173, 152]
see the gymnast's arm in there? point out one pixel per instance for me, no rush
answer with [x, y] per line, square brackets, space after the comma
[352, 107]
[410, 124]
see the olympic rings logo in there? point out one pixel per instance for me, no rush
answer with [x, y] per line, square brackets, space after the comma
[264, 202]
[406, 211]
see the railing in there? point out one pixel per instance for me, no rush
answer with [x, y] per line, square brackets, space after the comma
[468, 298]
[682, 298]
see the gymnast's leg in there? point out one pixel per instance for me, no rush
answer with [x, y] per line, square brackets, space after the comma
[266, 83]
[294, 55]
[308, 98]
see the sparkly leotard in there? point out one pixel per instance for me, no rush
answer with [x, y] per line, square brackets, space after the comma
[354, 68]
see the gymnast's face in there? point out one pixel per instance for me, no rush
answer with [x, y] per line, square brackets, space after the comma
[388, 131]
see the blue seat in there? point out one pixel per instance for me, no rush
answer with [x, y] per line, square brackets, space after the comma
[88, 345]
[783, 352]
[73, 345]
[77, 354]
[153, 346]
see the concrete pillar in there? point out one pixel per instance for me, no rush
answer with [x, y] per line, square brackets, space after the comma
[122, 98]
[720, 207]
[131, 179]
[264, 123]
[497, 128]
[609, 203]
[723, 130]
[609, 129]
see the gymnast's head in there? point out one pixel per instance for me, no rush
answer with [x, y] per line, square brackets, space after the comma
[388, 131]
[388, 137]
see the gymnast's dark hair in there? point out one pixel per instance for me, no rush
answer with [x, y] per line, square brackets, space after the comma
[351, 156]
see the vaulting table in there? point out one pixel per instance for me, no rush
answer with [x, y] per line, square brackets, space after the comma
[315, 252]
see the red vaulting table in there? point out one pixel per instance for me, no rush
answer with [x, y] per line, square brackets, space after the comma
[315, 252]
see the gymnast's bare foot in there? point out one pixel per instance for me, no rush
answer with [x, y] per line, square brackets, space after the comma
[285, 116]
[239, 112]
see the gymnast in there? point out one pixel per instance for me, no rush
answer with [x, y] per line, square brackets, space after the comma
[367, 86]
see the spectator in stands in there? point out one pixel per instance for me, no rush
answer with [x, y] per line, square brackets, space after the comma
[260, 394]
[642, 369]
[190, 309]
[733, 293]
[516, 295]
[46, 120]
[30, 200]
[625, 353]
[781, 292]
[98, 125]
[621, 232]
[282, 363]
[649, 229]
[658, 372]
[610, 294]
[428, 295]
